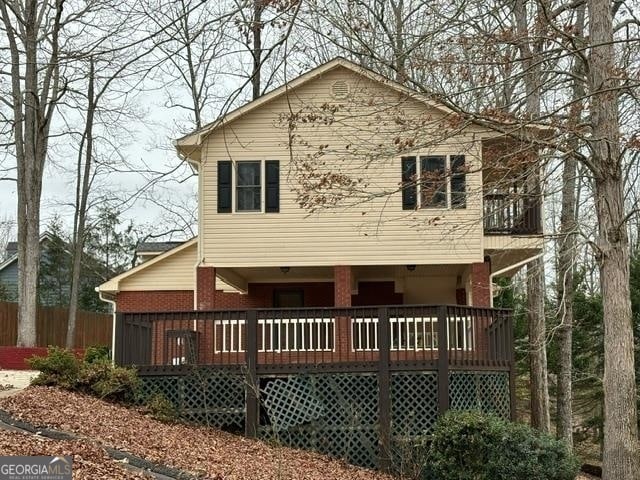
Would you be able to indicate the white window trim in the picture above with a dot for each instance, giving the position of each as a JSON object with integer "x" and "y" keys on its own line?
{"x": 234, "y": 182}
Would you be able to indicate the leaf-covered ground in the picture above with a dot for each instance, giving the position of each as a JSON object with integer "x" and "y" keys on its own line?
{"x": 89, "y": 461}
{"x": 199, "y": 450}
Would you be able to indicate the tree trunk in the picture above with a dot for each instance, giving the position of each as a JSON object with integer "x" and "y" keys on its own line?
{"x": 256, "y": 30}
{"x": 30, "y": 163}
{"x": 621, "y": 457}
{"x": 567, "y": 249}
{"x": 530, "y": 55}
{"x": 566, "y": 252}
{"x": 540, "y": 418}
{"x": 80, "y": 218}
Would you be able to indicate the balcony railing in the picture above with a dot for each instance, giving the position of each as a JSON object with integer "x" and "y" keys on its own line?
{"x": 280, "y": 340}
{"x": 512, "y": 214}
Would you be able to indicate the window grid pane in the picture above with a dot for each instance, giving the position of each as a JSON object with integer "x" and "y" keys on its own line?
{"x": 248, "y": 187}
{"x": 433, "y": 187}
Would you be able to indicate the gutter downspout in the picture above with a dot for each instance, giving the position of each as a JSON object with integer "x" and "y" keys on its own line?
{"x": 506, "y": 269}
{"x": 113, "y": 325}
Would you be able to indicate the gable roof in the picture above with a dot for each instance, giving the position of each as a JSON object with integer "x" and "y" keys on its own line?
{"x": 12, "y": 251}
{"x": 189, "y": 145}
{"x": 112, "y": 285}
{"x": 157, "y": 247}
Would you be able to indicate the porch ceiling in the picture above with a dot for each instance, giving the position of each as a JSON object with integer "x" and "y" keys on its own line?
{"x": 239, "y": 278}
{"x": 501, "y": 259}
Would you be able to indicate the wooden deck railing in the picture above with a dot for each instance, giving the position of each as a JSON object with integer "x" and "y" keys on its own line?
{"x": 512, "y": 214}
{"x": 336, "y": 339}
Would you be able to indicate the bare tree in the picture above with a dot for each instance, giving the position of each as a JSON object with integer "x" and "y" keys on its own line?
{"x": 32, "y": 30}
{"x": 567, "y": 247}
{"x": 621, "y": 460}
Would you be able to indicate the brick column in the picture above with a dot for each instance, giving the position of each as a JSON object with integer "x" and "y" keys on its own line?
{"x": 342, "y": 298}
{"x": 342, "y": 285}
{"x": 205, "y": 288}
{"x": 481, "y": 297}
{"x": 480, "y": 284}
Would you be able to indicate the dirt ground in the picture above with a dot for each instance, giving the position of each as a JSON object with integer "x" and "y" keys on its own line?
{"x": 198, "y": 450}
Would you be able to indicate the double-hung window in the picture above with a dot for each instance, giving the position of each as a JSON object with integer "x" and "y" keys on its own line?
{"x": 249, "y": 186}
{"x": 434, "y": 181}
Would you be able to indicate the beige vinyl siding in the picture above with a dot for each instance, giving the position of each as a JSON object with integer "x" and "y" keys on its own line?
{"x": 175, "y": 272}
{"x": 365, "y": 231}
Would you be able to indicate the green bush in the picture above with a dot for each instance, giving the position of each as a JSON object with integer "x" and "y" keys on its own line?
{"x": 119, "y": 385}
{"x": 60, "y": 367}
{"x": 161, "y": 408}
{"x": 95, "y": 375}
{"x": 476, "y": 446}
{"x": 97, "y": 353}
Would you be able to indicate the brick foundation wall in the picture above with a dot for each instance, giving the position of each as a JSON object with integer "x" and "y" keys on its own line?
{"x": 155, "y": 301}
{"x": 15, "y": 358}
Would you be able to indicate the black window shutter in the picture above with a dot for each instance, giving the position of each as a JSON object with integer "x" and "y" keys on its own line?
{"x": 224, "y": 186}
{"x": 272, "y": 180}
{"x": 409, "y": 189}
{"x": 458, "y": 182}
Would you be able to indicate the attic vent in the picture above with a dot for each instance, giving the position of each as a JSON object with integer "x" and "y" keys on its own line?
{"x": 340, "y": 90}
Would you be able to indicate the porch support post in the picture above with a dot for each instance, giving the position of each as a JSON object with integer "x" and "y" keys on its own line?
{"x": 252, "y": 385}
{"x": 342, "y": 298}
{"x": 384, "y": 389}
{"x": 205, "y": 288}
{"x": 512, "y": 369}
{"x": 443, "y": 361}
{"x": 481, "y": 283}
{"x": 481, "y": 297}
{"x": 118, "y": 347}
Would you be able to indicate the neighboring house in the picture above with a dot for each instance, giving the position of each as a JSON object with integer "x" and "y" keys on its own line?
{"x": 277, "y": 288}
{"x": 148, "y": 250}
{"x": 54, "y": 275}
{"x": 52, "y": 296}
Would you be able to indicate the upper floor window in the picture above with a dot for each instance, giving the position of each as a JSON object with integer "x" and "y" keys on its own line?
{"x": 440, "y": 182}
{"x": 249, "y": 186}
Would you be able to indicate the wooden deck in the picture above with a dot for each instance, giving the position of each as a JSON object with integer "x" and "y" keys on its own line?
{"x": 432, "y": 357}
{"x": 297, "y": 339}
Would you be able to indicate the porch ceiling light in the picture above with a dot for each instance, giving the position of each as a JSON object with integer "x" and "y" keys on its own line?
{"x": 285, "y": 269}
{"x": 411, "y": 268}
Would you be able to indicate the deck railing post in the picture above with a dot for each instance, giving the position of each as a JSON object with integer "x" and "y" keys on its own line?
{"x": 512, "y": 367}
{"x": 251, "y": 382}
{"x": 443, "y": 361}
{"x": 118, "y": 347}
{"x": 384, "y": 389}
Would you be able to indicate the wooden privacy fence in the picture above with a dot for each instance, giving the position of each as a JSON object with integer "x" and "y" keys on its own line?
{"x": 51, "y": 326}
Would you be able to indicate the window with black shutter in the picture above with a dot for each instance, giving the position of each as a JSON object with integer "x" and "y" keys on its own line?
{"x": 433, "y": 184}
{"x": 248, "y": 187}
{"x": 272, "y": 182}
{"x": 409, "y": 186}
{"x": 440, "y": 180}
{"x": 224, "y": 187}
{"x": 458, "y": 182}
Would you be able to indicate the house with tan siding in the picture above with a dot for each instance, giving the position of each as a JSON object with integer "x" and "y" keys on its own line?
{"x": 346, "y": 223}
{"x": 259, "y": 247}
